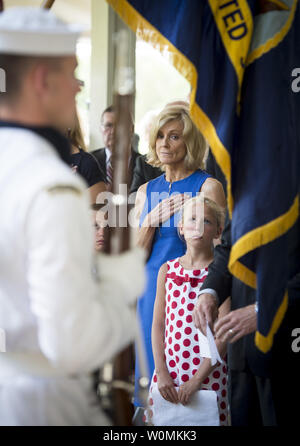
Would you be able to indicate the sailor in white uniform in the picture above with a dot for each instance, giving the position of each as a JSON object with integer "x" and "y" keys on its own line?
{"x": 60, "y": 324}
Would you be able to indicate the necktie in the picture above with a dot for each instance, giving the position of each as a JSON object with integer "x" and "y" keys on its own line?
{"x": 109, "y": 171}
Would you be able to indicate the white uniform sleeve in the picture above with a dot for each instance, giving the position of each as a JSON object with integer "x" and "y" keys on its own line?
{"x": 81, "y": 323}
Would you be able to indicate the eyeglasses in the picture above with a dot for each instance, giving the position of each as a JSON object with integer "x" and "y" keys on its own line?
{"x": 108, "y": 126}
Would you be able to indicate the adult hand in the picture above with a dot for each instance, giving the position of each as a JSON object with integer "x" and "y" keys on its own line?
{"x": 236, "y": 324}
{"x": 166, "y": 387}
{"x": 206, "y": 309}
{"x": 187, "y": 390}
{"x": 165, "y": 209}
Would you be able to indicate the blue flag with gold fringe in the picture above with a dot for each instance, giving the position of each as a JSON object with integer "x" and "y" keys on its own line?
{"x": 239, "y": 57}
{"x": 265, "y": 165}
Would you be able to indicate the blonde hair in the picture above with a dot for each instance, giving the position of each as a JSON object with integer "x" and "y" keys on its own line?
{"x": 217, "y": 210}
{"x": 195, "y": 142}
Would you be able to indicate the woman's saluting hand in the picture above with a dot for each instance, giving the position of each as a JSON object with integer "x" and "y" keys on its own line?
{"x": 164, "y": 210}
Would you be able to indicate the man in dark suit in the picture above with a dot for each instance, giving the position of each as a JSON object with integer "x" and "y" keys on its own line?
{"x": 213, "y": 168}
{"x": 103, "y": 155}
{"x": 143, "y": 172}
{"x": 258, "y": 392}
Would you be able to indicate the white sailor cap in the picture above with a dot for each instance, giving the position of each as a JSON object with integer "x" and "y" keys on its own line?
{"x": 36, "y": 32}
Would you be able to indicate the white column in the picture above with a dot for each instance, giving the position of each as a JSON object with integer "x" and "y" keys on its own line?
{"x": 104, "y": 23}
{"x": 99, "y": 68}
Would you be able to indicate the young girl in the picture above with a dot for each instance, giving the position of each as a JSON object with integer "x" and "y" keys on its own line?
{"x": 180, "y": 371}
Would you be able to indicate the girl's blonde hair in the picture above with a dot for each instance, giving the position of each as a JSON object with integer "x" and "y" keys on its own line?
{"x": 195, "y": 142}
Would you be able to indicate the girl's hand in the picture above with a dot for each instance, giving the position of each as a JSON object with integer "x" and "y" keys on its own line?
{"x": 165, "y": 209}
{"x": 166, "y": 387}
{"x": 187, "y": 390}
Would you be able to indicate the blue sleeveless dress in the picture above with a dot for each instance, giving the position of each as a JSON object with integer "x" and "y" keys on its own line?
{"x": 166, "y": 246}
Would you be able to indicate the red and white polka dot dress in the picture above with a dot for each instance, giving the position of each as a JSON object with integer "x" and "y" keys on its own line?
{"x": 182, "y": 352}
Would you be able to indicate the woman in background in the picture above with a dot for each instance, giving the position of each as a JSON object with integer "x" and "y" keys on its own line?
{"x": 84, "y": 163}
